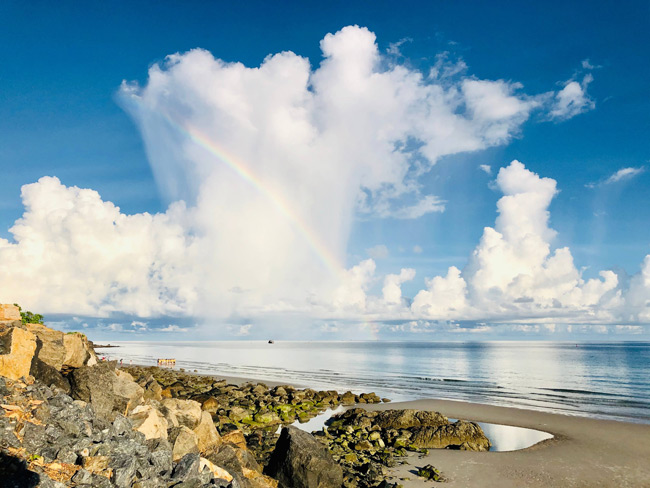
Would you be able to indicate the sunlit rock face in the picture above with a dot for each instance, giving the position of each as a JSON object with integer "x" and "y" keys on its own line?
{"x": 17, "y": 347}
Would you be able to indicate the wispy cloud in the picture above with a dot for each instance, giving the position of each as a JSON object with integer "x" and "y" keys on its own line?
{"x": 379, "y": 251}
{"x": 486, "y": 168}
{"x": 624, "y": 174}
{"x": 394, "y": 47}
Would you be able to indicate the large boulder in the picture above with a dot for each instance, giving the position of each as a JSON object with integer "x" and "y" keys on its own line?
{"x": 207, "y": 436}
{"x": 149, "y": 421}
{"x": 78, "y": 351}
{"x": 300, "y": 461}
{"x": 49, "y": 345}
{"x": 9, "y": 314}
{"x": 243, "y": 467}
{"x": 17, "y": 347}
{"x": 216, "y": 471}
{"x": 405, "y": 419}
{"x": 48, "y": 374}
{"x": 181, "y": 412}
{"x": 467, "y": 436}
{"x": 109, "y": 391}
{"x": 185, "y": 442}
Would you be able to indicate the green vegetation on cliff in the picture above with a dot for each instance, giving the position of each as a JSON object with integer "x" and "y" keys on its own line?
{"x": 29, "y": 317}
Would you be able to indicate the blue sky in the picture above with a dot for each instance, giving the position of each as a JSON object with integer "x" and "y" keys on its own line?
{"x": 63, "y": 114}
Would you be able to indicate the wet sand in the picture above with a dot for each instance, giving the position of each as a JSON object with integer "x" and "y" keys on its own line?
{"x": 583, "y": 453}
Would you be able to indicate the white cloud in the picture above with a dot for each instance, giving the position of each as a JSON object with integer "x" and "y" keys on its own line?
{"x": 379, "y": 251}
{"x": 394, "y": 47}
{"x": 428, "y": 204}
{"x": 486, "y": 168}
{"x": 586, "y": 64}
{"x": 624, "y": 174}
{"x": 351, "y": 293}
{"x": 513, "y": 272}
{"x": 392, "y": 291}
{"x": 98, "y": 260}
{"x": 139, "y": 326}
{"x": 244, "y": 330}
{"x": 572, "y": 100}
{"x": 417, "y": 249}
{"x": 266, "y": 169}
{"x": 173, "y": 328}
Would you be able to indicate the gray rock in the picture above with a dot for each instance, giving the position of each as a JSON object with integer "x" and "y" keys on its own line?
{"x": 34, "y": 437}
{"x": 191, "y": 483}
{"x": 301, "y": 461}
{"x": 124, "y": 469}
{"x": 187, "y": 467}
{"x": 83, "y": 477}
{"x": 66, "y": 455}
{"x": 99, "y": 481}
{"x": 121, "y": 426}
{"x": 161, "y": 460}
{"x": 108, "y": 392}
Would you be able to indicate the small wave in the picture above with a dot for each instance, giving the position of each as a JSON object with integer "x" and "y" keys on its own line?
{"x": 581, "y": 392}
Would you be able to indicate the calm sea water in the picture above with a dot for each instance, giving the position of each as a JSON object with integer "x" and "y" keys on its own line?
{"x": 605, "y": 380}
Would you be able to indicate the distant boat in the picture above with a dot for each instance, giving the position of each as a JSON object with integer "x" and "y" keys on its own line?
{"x": 271, "y": 342}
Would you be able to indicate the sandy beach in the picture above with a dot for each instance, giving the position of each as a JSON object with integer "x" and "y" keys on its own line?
{"x": 583, "y": 453}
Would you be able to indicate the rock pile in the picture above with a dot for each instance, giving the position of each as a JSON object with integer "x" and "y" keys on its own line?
{"x": 68, "y": 420}
{"x": 56, "y": 441}
{"x": 253, "y": 409}
{"x": 366, "y": 443}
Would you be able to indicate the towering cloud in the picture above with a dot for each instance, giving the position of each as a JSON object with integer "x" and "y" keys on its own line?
{"x": 513, "y": 273}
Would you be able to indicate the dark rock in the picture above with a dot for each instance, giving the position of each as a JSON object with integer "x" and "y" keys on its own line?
{"x": 191, "y": 483}
{"x": 82, "y": 477}
{"x": 108, "y": 392}
{"x": 48, "y": 375}
{"x": 161, "y": 460}
{"x": 124, "y": 468}
{"x": 467, "y": 436}
{"x": 121, "y": 426}
{"x": 34, "y": 437}
{"x": 3, "y": 387}
{"x": 233, "y": 459}
{"x": 429, "y": 472}
{"x": 66, "y": 455}
{"x": 300, "y": 461}
{"x": 187, "y": 467}
{"x": 404, "y": 419}
{"x": 99, "y": 481}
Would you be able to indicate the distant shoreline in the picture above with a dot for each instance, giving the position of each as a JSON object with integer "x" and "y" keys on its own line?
{"x": 103, "y": 346}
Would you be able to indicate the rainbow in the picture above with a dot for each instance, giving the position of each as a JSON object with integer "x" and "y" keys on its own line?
{"x": 281, "y": 204}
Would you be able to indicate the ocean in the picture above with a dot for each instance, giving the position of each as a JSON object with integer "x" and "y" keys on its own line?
{"x": 603, "y": 380}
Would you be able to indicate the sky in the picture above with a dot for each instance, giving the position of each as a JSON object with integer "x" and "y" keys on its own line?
{"x": 346, "y": 171}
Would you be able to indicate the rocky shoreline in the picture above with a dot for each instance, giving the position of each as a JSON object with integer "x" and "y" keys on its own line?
{"x": 67, "y": 419}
